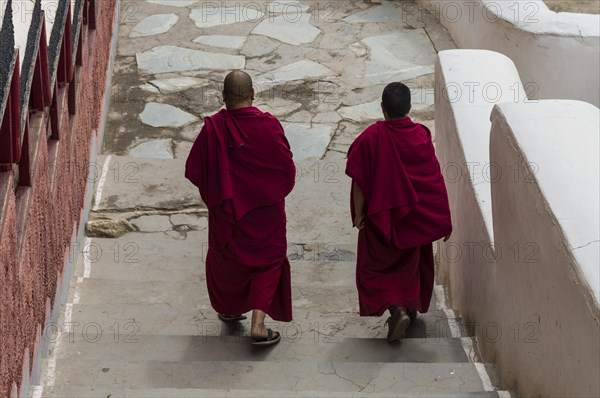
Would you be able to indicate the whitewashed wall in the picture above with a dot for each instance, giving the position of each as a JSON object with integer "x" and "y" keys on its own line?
{"x": 546, "y": 212}
{"x": 557, "y": 54}
{"x": 469, "y": 83}
{"x": 522, "y": 264}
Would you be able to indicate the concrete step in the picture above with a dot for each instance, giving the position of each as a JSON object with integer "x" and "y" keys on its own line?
{"x": 81, "y": 392}
{"x": 295, "y": 376}
{"x": 145, "y": 184}
{"x": 149, "y": 257}
{"x": 238, "y": 348}
{"x": 184, "y": 269}
{"x": 327, "y": 298}
{"x": 202, "y": 320}
{"x": 145, "y": 256}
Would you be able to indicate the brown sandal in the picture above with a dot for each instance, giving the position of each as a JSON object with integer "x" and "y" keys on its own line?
{"x": 397, "y": 324}
{"x": 271, "y": 339}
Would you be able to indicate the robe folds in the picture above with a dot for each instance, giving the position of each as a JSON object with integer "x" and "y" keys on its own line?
{"x": 406, "y": 208}
{"x": 242, "y": 164}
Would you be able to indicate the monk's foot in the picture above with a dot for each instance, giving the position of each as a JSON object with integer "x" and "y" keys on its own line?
{"x": 271, "y": 338}
{"x": 412, "y": 314}
{"x": 398, "y": 323}
{"x": 232, "y": 318}
{"x": 261, "y": 336}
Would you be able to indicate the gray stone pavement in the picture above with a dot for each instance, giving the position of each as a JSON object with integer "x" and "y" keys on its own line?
{"x": 138, "y": 322}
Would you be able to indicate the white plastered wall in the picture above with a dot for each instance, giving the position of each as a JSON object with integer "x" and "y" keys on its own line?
{"x": 557, "y": 54}
{"x": 548, "y": 284}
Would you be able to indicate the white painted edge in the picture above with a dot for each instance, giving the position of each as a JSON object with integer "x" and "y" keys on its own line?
{"x": 87, "y": 264}
{"x": 485, "y": 377}
{"x": 101, "y": 182}
{"x": 37, "y": 391}
{"x": 468, "y": 343}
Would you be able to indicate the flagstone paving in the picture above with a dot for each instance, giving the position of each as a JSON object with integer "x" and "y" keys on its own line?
{"x": 138, "y": 322}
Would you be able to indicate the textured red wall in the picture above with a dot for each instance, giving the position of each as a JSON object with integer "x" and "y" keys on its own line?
{"x": 53, "y": 209}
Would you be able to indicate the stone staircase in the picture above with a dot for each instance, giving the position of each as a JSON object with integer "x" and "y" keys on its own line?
{"x": 138, "y": 322}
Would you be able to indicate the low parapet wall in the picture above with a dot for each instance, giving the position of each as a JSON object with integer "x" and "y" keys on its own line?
{"x": 549, "y": 206}
{"x": 557, "y": 54}
{"x": 522, "y": 263}
{"x": 469, "y": 83}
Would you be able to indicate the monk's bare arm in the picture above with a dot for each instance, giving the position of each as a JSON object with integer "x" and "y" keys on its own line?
{"x": 359, "y": 206}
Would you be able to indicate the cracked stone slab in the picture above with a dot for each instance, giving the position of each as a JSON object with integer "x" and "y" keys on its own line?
{"x": 278, "y": 107}
{"x": 149, "y": 88}
{"x": 173, "y": 3}
{"x": 235, "y": 42}
{"x": 386, "y": 13}
{"x": 183, "y": 149}
{"x": 164, "y": 115}
{"x": 327, "y": 117}
{"x": 175, "y": 84}
{"x": 308, "y": 140}
{"x": 291, "y": 8}
{"x": 421, "y": 99}
{"x": 398, "y": 56}
{"x": 108, "y": 228}
{"x": 169, "y": 58}
{"x": 152, "y": 223}
{"x": 299, "y": 70}
{"x": 147, "y": 184}
{"x": 295, "y": 31}
{"x": 257, "y": 46}
{"x": 215, "y": 15}
{"x": 195, "y": 221}
{"x": 158, "y": 149}
{"x": 154, "y": 25}
{"x": 358, "y": 49}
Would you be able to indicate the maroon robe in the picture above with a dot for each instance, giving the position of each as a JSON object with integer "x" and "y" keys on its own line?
{"x": 394, "y": 165}
{"x": 242, "y": 164}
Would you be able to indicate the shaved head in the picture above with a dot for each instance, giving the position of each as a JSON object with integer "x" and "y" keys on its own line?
{"x": 237, "y": 88}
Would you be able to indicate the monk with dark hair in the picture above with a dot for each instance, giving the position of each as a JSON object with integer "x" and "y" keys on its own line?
{"x": 400, "y": 205}
{"x": 242, "y": 164}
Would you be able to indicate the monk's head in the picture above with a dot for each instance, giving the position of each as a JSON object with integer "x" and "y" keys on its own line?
{"x": 237, "y": 90}
{"x": 395, "y": 101}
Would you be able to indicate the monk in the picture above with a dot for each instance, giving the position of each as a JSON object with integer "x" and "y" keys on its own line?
{"x": 400, "y": 205}
{"x": 242, "y": 165}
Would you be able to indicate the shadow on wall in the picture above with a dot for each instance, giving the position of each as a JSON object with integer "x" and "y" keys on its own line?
{"x": 522, "y": 264}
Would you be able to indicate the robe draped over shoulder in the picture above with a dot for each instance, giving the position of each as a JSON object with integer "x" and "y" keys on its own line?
{"x": 406, "y": 204}
{"x": 242, "y": 165}
{"x": 395, "y": 166}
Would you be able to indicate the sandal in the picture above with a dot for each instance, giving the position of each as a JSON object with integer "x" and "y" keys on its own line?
{"x": 271, "y": 339}
{"x": 412, "y": 314}
{"x": 397, "y": 325}
{"x": 232, "y": 318}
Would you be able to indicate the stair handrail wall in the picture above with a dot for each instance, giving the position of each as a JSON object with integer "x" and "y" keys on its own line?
{"x": 50, "y": 122}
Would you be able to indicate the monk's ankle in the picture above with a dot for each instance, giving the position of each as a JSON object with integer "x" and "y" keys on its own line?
{"x": 393, "y": 308}
{"x": 258, "y": 329}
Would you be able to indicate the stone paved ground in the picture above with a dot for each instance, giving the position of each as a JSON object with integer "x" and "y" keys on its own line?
{"x": 577, "y": 6}
{"x": 138, "y": 321}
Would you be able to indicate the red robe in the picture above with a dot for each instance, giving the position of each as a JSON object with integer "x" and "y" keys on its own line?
{"x": 394, "y": 165}
{"x": 242, "y": 164}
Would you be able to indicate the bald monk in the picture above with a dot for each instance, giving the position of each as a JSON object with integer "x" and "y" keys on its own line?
{"x": 242, "y": 164}
{"x": 400, "y": 206}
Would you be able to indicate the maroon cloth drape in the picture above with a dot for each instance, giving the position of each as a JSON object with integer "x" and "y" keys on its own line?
{"x": 242, "y": 165}
{"x": 394, "y": 165}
